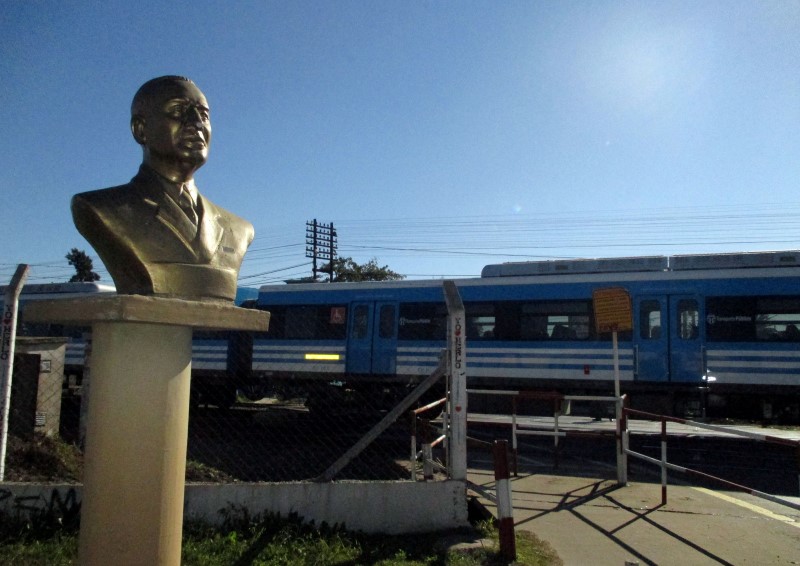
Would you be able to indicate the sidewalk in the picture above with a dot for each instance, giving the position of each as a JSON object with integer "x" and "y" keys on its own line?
{"x": 592, "y": 521}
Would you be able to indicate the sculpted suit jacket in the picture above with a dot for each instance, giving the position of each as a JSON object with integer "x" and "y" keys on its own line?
{"x": 151, "y": 247}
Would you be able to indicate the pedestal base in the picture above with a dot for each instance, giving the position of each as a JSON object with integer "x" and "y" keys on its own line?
{"x": 135, "y": 456}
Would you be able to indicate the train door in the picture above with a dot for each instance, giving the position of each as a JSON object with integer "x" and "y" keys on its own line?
{"x": 668, "y": 338}
{"x": 372, "y": 338}
{"x": 651, "y": 339}
{"x": 686, "y": 340}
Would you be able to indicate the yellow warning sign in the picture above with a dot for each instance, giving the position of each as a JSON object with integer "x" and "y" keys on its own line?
{"x": 612, "y": 310}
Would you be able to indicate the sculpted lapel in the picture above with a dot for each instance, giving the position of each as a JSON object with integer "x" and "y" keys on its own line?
{"x": 211, "y": 230}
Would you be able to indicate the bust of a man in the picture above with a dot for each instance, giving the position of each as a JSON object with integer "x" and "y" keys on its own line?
{"x": 157, "y": 235}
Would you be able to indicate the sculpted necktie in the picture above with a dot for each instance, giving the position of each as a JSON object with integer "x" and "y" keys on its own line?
{"x": 185, "y": 200}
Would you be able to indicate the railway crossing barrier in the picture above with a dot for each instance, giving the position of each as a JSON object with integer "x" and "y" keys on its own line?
{"x": 665, "y": 465}
{"x": 622, "y": 434}
{"x": 561, "y": 406}
{"x": 425, "y": 453}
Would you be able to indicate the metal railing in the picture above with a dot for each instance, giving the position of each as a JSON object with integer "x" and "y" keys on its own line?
{"x": 425, "y": 452}
{"x": 561, "y": 407}
{"x": 666, "y": 465}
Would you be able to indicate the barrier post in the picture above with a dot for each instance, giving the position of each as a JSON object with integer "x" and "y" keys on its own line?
{"x": 663, "y": 462}
{"x": 556, "y": 446}
{"x": 514, "y": 448}
{"x": 622, "y": 440}
{"x": 413, "y": 460}
{"x": 505, "y": 510}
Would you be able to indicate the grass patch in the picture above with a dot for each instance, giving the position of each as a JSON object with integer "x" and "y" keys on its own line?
{"x": 272, "y": 540}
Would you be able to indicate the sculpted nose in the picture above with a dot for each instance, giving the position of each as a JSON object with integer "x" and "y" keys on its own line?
{"x": 193, "y": 115}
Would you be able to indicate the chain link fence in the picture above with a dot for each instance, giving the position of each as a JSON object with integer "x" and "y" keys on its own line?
{"x": 241, "y": 429}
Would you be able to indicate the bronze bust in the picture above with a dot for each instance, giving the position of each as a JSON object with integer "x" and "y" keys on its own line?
{"x": 157, "y": 235}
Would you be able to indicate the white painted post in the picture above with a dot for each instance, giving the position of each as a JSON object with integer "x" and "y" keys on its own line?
{"x": 615, "y": 345}
{"x": 413, "y": 460}
{"x": 457, "y": 462}
{"x": 9, "y": 337}
{"x": 663, "y": 462}
{"x": 621, "y": 456}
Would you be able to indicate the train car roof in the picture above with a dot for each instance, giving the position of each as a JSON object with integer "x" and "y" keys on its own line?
{"x": 789, "y": 258}
{"x": 612, "y": 270}
{"x": 61, "y": 289}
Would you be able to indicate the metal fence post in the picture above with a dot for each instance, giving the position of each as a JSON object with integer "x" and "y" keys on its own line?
{"x": 457, "y": 461}
{"x": 9, "y": 336}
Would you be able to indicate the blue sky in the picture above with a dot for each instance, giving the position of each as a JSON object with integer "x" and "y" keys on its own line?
{"x": 436, "y": 136}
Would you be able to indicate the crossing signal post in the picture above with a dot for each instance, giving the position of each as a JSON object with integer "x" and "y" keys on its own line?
{"x": 321, "y": 244}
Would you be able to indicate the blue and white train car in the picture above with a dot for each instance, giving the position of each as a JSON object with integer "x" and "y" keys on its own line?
{"x": 726, "y": 322}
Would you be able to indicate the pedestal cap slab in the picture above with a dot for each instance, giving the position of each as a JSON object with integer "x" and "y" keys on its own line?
{"x": 146, "y": 309}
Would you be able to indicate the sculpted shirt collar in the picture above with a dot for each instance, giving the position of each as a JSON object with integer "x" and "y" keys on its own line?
{"x": 149, "y": 175}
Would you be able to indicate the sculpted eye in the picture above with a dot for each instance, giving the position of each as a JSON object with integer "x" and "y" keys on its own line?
{"x": 176, "y": 110}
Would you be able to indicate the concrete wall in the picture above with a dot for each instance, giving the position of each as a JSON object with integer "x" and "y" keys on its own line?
{"x": 372, "y": 507}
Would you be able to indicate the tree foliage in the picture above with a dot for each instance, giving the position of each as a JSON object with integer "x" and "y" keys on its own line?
{"x": 83, "y": 266}
{"x": 345, "y": 269}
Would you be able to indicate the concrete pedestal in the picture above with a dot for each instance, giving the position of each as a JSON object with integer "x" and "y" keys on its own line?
{"x": 135, "y": 458}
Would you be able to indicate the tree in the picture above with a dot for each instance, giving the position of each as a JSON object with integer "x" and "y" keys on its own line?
{"x": 345, "y": 269}
{"x": 83, "y": 266}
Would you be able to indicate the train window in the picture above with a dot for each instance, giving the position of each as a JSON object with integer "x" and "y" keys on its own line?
{"x": 300, "y": 322}
{"x": 555, "y": 320}
{"x": 730, "y": 319}
{"x": 422, "y": 321}
{"x": 386, "y": 323}
{"x": 650, "y": 320}
{"x": 778, "y": 319}
{"x": 688, "y": 319}
{"x": 748, "y": 319}
{"x": 480, "y": 321}
{"x": 307, "y": 322}
{"x": 360, "y": 321}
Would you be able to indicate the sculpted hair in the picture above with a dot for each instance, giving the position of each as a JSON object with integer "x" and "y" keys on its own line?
{"x": 146, "y": 92}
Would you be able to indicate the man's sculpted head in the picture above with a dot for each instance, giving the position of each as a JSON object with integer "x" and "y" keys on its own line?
{"x": 151, "y": 240}
{"x": 170, "y": 120}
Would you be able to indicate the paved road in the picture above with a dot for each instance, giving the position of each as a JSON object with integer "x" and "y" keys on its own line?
{"x": 590, "y": 520}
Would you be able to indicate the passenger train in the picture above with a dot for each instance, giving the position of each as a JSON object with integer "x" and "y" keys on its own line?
{"x": 715, "y": 333}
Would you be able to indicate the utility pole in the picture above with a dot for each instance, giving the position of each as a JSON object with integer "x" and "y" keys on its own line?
{"x": 321, "y": 244}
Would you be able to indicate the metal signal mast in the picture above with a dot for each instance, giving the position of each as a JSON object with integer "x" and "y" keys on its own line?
{"x": 321, "y": 244}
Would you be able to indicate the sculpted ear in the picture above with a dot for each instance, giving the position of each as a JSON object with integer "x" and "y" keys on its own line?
{"x": 137, "y": 129}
